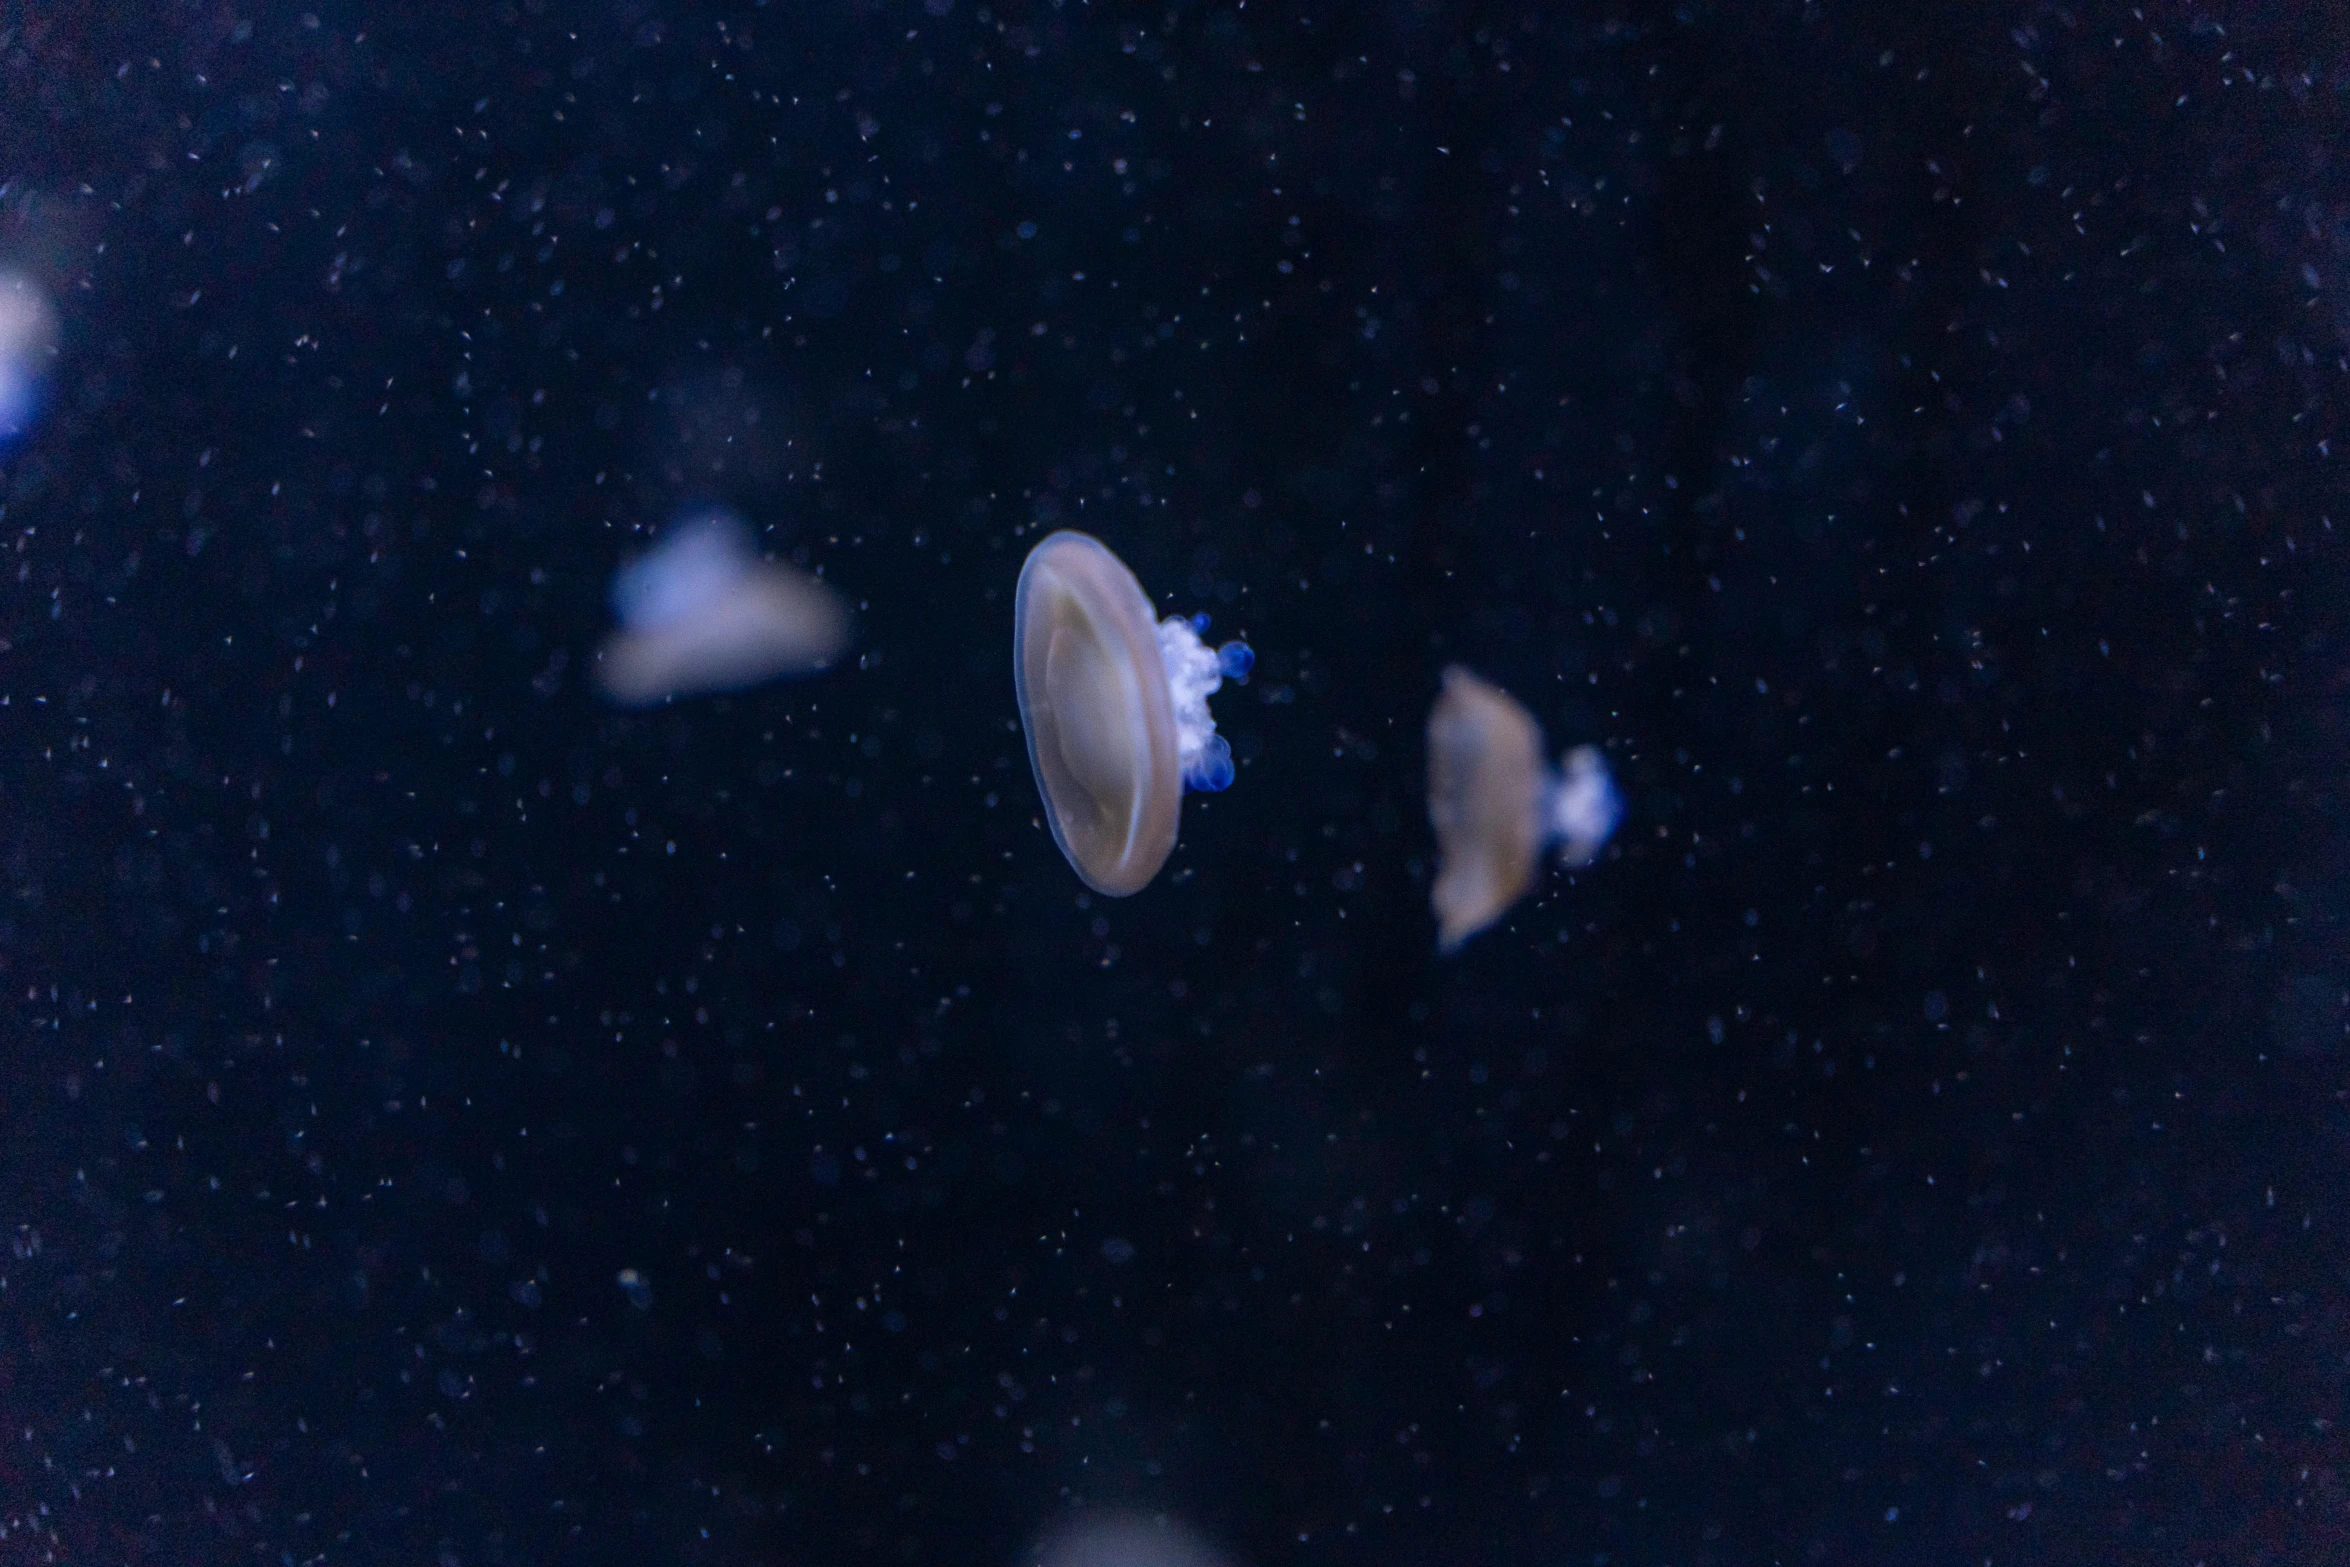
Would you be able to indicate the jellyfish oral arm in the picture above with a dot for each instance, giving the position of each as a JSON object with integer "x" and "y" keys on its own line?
{"x": 689, "y": 575}
{"x": 1195, "y": 672}
{"x": 1581, "y": 807}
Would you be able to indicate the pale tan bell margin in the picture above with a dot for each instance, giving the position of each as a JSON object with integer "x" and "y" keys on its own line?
{"x": 1485, "y": 781}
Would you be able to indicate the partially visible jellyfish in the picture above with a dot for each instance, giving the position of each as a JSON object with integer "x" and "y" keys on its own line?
{"x": 1496, "y": 807}
{"x": 703, "y": 612}
{"x": 1115, "y": 710}
{"x": 1124, "y": 1541}
{"x": 28, "y": 342}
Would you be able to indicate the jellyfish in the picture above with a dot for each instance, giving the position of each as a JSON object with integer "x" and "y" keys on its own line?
{"x": 703, "y": 612}
{"x": 1124, "y": 1540}
{"x": 1115, "y": 710}
{"x": 28, "y": 342}
{"x": 1495, "y": 806}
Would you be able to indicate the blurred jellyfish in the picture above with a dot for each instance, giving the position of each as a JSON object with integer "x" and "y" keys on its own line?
{"x": 1495, "y": 806}
{"x": 1115, "y": 710}
{"x": 703, "y": 612}
{"x": 634, "y": 1285}
{"x": 1130, "y": 1540}
{"x": 28, "y": 343}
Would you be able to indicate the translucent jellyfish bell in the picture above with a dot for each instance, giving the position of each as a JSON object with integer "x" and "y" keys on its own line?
{"x": 703, "y": 612}
{"x": 1124, "y": 1540}
{"x": 1495, "y": 806}
{"x": 1115, "y": 710}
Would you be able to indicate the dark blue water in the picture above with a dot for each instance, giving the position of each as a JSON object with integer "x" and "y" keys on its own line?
{"x": 449, "y": 1118}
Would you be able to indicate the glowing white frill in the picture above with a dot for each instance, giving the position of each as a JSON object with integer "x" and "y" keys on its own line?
{"x": 1194, "y": 673}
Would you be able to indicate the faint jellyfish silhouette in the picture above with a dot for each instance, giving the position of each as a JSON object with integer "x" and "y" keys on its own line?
{"x": 1126, "y": 1540}
{"x": 28, "y": 344}
{"x": 1495, "y": 806}
{"x": 638, "y": 1290}
{"x": 702, "y": 612}
{"x": 1115, "y": 710}
{"x": 720, "y": 432}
